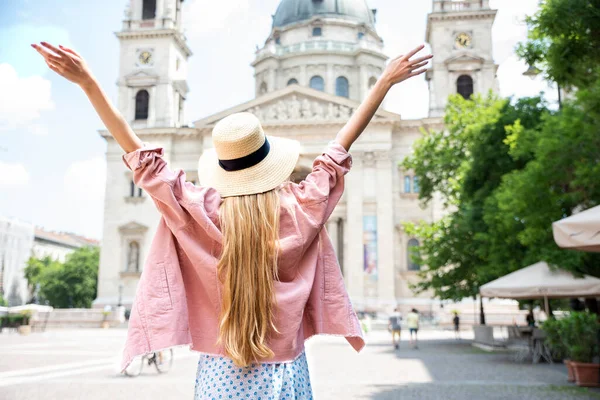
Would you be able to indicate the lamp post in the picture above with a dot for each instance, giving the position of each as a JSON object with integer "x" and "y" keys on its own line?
{"x": 532, "y": 72}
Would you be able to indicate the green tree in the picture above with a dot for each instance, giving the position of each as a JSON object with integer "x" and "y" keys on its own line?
{"x": 465, "y": 164}
{"x": 563, "y": 42}
{"x": 72, "y": 284}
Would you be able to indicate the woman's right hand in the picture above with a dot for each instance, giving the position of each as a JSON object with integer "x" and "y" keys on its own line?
{"x": 66, "y": 62}
{"x": 403, "y": 68}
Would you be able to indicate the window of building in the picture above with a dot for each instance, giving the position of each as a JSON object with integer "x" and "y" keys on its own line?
{"x": 142, "y": 99}
{"x": 372, "y": 82}
{"x": 263, "y": 88}
{"x": 180, "y": 111}
{"x": 407, "y": 184}
{"x": 149, "y": 9}
{"x": 464, "y": 86}
{"x": 361, "y": 35}
{"x": 416, "y": 184}
{"x": 277, "y": 40}
{"x": 316, "y": 82}
{"x": 177, "y": 64}
{"x": 413, "y": 251}
{"x": 133, "y": 257}
{"x": 342, "y": 87}
{"x": 134, "y": 191}
{"x": 292, "y": 81}
{"x": 317, "y": 31}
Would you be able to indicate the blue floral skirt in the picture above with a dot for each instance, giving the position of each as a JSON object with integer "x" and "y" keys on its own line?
{"x": 219, "y": 378}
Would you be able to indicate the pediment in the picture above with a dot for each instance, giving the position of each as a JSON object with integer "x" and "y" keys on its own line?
{"x": 141, "y": 78}
{"x": 133, "y": 227}
{"x": 464, "y": 58}
{"x": 296, "y": 105}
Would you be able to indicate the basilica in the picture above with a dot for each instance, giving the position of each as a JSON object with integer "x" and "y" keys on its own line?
{"x": 319, "y": 62}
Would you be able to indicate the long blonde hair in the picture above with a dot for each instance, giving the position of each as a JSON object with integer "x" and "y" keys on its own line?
{"x": 248, "y": 268}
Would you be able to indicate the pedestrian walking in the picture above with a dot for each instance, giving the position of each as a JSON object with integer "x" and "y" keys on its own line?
{"x": 456, "y": 322}
{"x": 412, "y": 321}
{"x": 395, "y": 327}
{"x": 240, "y": 268}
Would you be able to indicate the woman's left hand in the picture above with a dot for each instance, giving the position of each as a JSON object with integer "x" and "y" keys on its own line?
{"x": 65, "y": 62}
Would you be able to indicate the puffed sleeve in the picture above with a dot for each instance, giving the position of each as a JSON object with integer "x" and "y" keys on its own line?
{"x": 322, "y": 189}
{"x": 164, "y": 186}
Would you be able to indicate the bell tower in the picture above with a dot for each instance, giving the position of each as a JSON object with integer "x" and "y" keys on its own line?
{"x": 153, "y": 64}
{"x": 460, "y": 35}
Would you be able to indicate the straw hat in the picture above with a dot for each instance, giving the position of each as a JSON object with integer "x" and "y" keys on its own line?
{"x": 244, "y": 160}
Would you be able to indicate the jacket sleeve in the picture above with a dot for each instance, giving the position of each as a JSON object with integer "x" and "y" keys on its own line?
{"x": 165, "y": 187}
{"x": 322, "y": 189}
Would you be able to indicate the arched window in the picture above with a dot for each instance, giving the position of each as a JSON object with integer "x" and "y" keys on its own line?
{"x": 342, "y": 87}
{"x": 263, "y": 88}
{"x": 142, "y": 98}
{"x": 149, "y": 9}
{"x": 464, "y": 86}
{"x": 292, "y": 81}
{"x": 372, "y": 82}
{"x": 316, "y": 82}
{"x": 412, "y": 250}
{"x": 416, "y": 187}
{"x": 407, "y": 184}
{"x": 133, "y": 257}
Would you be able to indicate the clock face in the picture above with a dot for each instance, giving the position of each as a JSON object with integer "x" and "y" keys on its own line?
{"x": 463, "y": 40}
{"x": 145, "y": 57}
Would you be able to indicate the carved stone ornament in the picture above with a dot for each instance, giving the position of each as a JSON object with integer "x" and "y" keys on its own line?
{"x": 295, "y": 109}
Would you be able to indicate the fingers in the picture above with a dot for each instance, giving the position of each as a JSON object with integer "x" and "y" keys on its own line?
{"x": 47, "y": 55}
{"x": 68, "y": 50}
{"x": 414, "y": 51}
{"x": 417, "y": 72}
{"x": 54, "y": 49}
{"x": 419, "y": 65}
{"x": 421, "y": 59}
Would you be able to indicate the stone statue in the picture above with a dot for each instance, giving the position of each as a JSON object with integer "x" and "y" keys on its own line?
{"x": 306, "y": 110}
{"x": 281, "y": 111}
{"x": 294, "y": 108}
{"x": 271, "y": 113}
{"x": 332, "y": 112}
{"x": 319, "y": 110}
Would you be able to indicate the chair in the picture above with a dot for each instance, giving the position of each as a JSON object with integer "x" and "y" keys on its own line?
{"x": 518, "y": 342}
{"x": 540, "y": 349}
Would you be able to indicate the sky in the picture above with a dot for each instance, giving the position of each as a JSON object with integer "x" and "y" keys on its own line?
{"x": 52, "y": 160}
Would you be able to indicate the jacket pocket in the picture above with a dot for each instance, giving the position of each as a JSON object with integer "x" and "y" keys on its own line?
{"x": 165, "y": 299}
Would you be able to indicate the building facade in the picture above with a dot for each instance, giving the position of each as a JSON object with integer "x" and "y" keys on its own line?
{"x": 318, "y": 63}
{"x": 19, "y": 241}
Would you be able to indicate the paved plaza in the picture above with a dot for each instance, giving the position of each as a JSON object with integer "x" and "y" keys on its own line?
{"x": 83, "y": 364}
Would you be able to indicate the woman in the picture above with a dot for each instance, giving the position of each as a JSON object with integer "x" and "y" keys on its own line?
{"x": 258, "y": 271}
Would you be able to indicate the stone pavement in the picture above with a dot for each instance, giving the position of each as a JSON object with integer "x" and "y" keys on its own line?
{"x": 83, "y": 364}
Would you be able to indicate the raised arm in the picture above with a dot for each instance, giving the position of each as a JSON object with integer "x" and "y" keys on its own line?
{"x": 70, "y": 65}
{"x": 398, "y": 70}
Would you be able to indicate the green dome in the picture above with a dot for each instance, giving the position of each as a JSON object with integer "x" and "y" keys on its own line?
{"x": 291, "y": 11}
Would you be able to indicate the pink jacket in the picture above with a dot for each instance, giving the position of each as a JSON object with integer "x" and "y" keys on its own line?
{"x": 178, "y": 298}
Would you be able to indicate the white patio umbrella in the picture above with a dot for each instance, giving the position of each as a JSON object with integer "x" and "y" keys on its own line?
{"x": 538, "y": 281}
{"x": 580, "y": 231}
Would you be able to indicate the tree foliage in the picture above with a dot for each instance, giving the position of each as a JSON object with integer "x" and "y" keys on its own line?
{"x": 507, "y": 170}
{"x": 69, "y": 284}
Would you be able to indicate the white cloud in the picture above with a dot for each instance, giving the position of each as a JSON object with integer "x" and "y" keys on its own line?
{"x": 13, "y": 174}
{"x": 22, "y": 99}
{"x": 84, "y": 185}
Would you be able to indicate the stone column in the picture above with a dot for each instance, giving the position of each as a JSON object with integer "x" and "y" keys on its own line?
{"x": 353, "y": 254}
{"x": 330, "y": 80}
{"x": 385, "y": 229}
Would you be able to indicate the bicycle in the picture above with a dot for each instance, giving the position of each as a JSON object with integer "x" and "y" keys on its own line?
{"x": 162, "y": 360}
